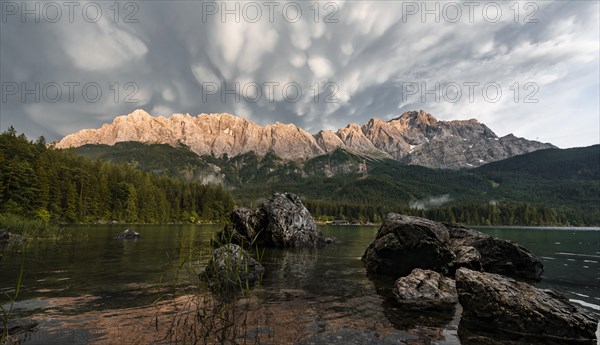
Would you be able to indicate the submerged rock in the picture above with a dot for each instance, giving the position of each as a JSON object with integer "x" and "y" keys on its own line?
{"x": 230, "y": 265}
{"x": 503, "y": 305}
{"x": 497, "y": 255}
{"x": 356, "y": 337}
{"x": 425, "y": 289}
{"x": 282, "y": 221}
{"x": 128, "y": 234}
{"x": 404, "y": 243}
{"x": 16, "y": 326}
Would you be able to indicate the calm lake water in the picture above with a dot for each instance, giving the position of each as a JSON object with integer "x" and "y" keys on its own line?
{"x": 82, "y": 291}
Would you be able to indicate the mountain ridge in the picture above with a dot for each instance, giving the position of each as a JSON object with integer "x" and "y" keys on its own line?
{"x": 414, "y": 138}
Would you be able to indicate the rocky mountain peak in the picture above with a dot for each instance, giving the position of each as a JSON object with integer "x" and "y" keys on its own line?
{"x": 416, "y": 117}
{"x": 415, "y": 137}
{"x": 138, "y": 114}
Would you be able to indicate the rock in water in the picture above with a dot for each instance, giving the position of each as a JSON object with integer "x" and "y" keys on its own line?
{"x": 246, "y": 225}
{"x": 16, "y": 326}
{"x": 425, "y": 289}
{"x": 289, "y": 224}
{"x": 128, "y": 234}
{"x": 498, "y": 304}
{"x": 232, "y": 266}
{"x": 497, "y": 255}
{"x": 404, "y": 243}
{"x": 281, "y": 221}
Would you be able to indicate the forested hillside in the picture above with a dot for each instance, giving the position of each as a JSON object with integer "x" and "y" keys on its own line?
{"x": 546, "y": 187}
{"x": 581, "y": 163}
{"x": 59, "y": 186}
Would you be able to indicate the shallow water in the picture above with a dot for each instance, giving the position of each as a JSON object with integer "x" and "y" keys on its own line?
{"x": 82, "y": 291}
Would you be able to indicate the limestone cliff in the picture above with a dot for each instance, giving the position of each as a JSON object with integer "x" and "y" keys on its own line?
{"x": 413, "y": 138}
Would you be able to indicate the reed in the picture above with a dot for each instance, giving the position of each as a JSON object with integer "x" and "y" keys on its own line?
{"x": 202, "y": 311}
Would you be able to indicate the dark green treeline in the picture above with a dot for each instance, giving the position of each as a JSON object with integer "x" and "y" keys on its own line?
{"x": 471, "y": 214}
{"x": 59, "y": 186}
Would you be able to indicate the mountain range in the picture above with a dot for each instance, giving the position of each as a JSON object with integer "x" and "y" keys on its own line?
{"x": 414, "y": 138}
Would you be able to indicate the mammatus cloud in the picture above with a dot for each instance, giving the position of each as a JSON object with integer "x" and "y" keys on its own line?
{"x": 528, "y": 67}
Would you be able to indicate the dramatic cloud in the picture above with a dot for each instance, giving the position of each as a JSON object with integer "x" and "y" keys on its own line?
{"x": 529, "y": 68}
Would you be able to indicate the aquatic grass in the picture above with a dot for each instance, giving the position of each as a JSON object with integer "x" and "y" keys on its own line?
{"x": 37, "y": 228}
{"x": 202, "y": 311}
{"x": 11, "y": 296}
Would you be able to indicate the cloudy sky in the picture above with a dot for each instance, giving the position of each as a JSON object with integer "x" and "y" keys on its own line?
{"x": 530, "y": 68}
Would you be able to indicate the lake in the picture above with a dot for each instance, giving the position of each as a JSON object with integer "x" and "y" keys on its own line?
{"x": 102, "y": 290}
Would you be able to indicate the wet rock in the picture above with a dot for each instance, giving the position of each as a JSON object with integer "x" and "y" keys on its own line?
{"x": 505, "y": 306}
{"x": 246, "y": 224}
{"x": 231, "y": 265}
{"x": 128, "y": 235}
{"x": 289, "y": 222}
{"x": 16, "y": 326}
{"x": 282, "y": 221}
{"x": 466, "y": 256}
{"x": 425, "y": 289}
{"x": 497, "y": 255}
{"x": 404, "y": 243}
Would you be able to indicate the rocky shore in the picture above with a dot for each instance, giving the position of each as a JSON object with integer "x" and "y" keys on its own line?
{"x": 438, "y": 265}
{"x": 438, "y": 268}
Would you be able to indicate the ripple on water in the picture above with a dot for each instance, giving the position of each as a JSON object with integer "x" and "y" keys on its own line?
{"x": 579, "y": 255}
{"x": 586, "y": 304}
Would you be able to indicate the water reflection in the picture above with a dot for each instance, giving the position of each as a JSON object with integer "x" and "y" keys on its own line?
{"x": 104, "y": 288}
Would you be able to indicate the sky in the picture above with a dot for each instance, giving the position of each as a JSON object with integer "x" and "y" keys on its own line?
{"x": 530, "y": 68}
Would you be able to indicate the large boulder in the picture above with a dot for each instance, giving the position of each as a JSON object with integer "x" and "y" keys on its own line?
{"x": 231, "y": 266}
{"x": 496, "y": 255}
{"x": 289, "y": 224}
{"x": 282, "y": 221}
{"x": 496, "y": 303}
{"x": 404, "y": 243}
{"x": 425, "y": 289}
